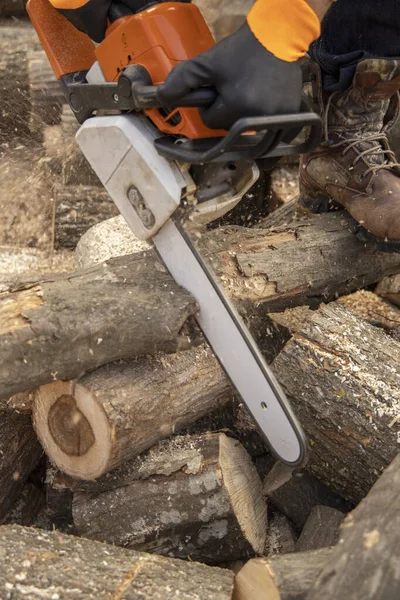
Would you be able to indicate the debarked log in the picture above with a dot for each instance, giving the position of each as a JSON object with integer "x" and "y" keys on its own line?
{"x": 41, "y": 564}
{"x": 196, "y": 497}
{"x": 90, "y": 426}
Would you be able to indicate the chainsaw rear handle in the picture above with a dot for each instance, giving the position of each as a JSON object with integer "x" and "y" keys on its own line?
{"x": 135, "y": 81}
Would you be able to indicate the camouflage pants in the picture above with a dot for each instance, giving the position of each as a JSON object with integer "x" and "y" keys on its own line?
{"x": 352, "y": 31}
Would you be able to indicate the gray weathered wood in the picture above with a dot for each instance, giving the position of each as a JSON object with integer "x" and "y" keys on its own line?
{"x": 195, "y": 497}
{"x": 46, "y": 95}
{"x": 365, "y": 563}
{"x": 38, "y": 564}
{"x": 280, "y": 577}
{"x": 375, "y": 310}
{"x": 300, "y": 494}
{"x": 20, "y": 452}
{"x": 306, "y": 262}
{"x": 321, "y": 530}
{"x": 70, "y": 324}
{"x": 90, "y": 426}
{"x": 281, "y": 535}
{"x": 342, "y": 377}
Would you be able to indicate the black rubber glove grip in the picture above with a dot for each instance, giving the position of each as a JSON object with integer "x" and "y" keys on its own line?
{"x": 250, "y": 81}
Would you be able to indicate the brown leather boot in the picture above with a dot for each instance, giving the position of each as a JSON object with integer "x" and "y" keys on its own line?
{"x": 354, "y": 168}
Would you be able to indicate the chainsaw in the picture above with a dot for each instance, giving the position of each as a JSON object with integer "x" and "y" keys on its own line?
{"x": 168, "y": 173}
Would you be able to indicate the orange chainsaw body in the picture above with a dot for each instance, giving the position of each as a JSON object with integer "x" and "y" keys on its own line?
{"x": 157, "y": 38}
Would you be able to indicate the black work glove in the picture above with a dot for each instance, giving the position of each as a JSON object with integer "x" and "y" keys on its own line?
{"x": 250, "y": 81}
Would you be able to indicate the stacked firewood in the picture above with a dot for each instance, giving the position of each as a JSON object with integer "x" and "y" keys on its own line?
{"x": 128, "y": 466}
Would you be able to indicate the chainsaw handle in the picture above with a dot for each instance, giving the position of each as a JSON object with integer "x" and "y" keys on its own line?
{"x": 135, "y": 81}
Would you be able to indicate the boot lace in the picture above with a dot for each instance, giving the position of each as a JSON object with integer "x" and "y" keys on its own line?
{"x": 379, "y": 145}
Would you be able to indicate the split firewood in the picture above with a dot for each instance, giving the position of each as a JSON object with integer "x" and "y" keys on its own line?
{"x": 41, "y": 564}
{"x": 90, "y": 426}
{"x": 69, "y": 324}
{"x": 342, "y": 377}
{"x": 12, "y": 8}
{"x": 299, "y": 495}
{"x": 196, "y": 497}
{"x": 20, "y": 453}
{"x": 365, "y": 562}
{"x": 321, "y": 530}
{"x": 46, "y": 95}
{"x": 77, "y": 209}
{"x": 281, "y": 577}
{"x": 282, "y": 216}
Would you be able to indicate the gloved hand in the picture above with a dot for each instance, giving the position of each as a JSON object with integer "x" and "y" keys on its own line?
{"x": 250, "y": 81}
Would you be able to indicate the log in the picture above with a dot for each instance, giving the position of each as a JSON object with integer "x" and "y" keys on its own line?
{"x": 281, "y": 577}
{"x": 39, "y": 564}
{"x": 304, "y": 263}
{"x": 107, "y": 240}
{"x": 77, "y": 209}
{"x": 196, "y": 497}
{"x": 281, "y": 536}
{"x": 374, "y": 310}
{"x": 309, "y": 261}
{"x": 341, "y": 375}
{"x": 46, "y": 96}
{"x": 20, "y": 453}
{"x": 297, "y": 498}
{"x": 365, "y": 562}
{"x": 69, "y": 324}
{"x": 389, "y": 289}
{"x": 321, "y": 530}
{"x": 27, "y": 507}
{"x": 90, "y": 426}
{"x": 226, "y": 16}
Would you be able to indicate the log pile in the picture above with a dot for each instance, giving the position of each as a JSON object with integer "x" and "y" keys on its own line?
{"x": 119, "y": 429}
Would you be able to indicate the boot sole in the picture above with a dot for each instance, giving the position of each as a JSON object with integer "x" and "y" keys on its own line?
{"x": 324, "y": 204}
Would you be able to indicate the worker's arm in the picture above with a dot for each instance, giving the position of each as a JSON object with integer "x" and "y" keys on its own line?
{"x": 255, "y": 70}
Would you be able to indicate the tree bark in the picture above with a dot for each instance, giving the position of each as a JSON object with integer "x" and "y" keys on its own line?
{"x": 281, "y": 577}
{"x": 196, "y": 497}
{"x": 365, "y": 562}
{"x": 321, "y": 530}
{"x": 116, "y": 412}
{"x": 20, "y": 452}
{"x": 77, "y": 209}
{"x": 69, "y": 324}
{"x": 27, "y": 507}
{"x": 342, "y": 377}
{"x": 38, "y": 564}
{"x": 374, "y": 310}
{"x": 309, "y": 261}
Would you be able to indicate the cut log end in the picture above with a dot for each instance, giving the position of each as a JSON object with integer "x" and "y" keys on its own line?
{"x": 245, "y": 491}
{"x": 73, "y": 429}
